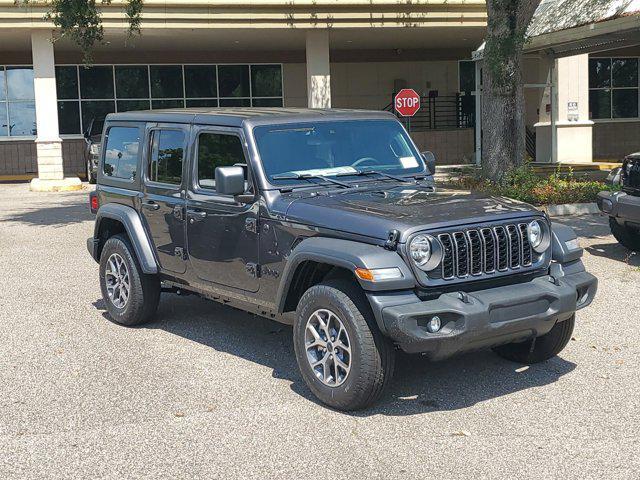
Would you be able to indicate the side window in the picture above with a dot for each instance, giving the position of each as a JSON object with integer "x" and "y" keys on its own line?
{"x": 217, "y": 150}
{"x": 121, "y": 152}
{"x": 167, "y": 152}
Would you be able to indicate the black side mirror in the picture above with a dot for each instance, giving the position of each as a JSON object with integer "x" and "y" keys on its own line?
{"x": 430, "y": 160}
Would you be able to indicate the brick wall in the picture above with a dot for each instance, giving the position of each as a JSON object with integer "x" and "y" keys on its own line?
{"x": 614, "y": 140}
{"x": 450, "y": 147}
{"x": 19, "y": 157}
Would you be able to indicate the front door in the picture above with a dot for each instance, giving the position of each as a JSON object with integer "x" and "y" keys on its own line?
{"x": 222, "y": 234}
{"x": 163, "y": 204}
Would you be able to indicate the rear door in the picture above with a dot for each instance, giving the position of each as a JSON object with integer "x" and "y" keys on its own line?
{"x": 222, "y": 234}
{"x": 163, "y": 202}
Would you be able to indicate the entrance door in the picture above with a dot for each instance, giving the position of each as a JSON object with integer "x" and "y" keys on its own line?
{"x": 163, "y": 203}
{"x": 222, "y": 234}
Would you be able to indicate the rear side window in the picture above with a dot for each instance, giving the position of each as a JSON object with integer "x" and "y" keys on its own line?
{"x": 167, "y": 152}
{"x": 121, "y": 152}
{"x": 217, "y": 150}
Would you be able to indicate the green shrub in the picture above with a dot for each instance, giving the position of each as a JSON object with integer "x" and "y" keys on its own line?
{"x": 524, "y": 184}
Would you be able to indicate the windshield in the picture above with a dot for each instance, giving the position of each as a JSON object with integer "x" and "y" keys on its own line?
{"x": 335, "y": 148}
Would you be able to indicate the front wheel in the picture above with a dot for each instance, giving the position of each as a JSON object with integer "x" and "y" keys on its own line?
{"x": 541, "y": 348}
{"x": 343, "y": 357}
{"x": 626, "y": 236}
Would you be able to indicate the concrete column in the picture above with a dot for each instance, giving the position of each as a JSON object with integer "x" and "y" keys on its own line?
{"x": 48, "y": 143}
{"x": 564, "y": 132}
{"x": 318, "y": 69}
{"x": 573, "y": 129}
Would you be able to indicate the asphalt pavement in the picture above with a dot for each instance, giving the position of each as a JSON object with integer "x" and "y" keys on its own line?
{"x": 211, "y": 392}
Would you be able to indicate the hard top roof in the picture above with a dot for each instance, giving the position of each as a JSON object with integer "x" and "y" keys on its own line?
{"x": 235, "y": 117}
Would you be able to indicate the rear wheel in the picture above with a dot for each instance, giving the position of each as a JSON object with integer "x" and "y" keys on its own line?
{"x": 628, "y": 237}
{"x": 343, "y": 357}
{"x": 541, "y": 348}
{"x": 130, "y": 295}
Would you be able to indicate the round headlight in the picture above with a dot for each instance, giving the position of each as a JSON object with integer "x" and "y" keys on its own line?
{"x": 420, "y": 250}
{"x": 535, "y": 234}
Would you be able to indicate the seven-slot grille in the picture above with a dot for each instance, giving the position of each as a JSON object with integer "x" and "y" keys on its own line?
{"x": 485, "y": 250}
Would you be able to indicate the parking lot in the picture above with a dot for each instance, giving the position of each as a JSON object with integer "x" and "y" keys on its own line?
{"x": 211, "y": 392}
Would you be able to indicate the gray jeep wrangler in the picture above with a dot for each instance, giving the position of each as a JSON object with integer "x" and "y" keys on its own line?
{"x": 329, "y": 221}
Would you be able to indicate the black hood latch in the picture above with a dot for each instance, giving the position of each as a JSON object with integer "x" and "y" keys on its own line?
{"x": 392, "y": 240}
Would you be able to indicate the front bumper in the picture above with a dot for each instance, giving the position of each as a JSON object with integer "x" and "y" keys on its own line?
{"x": 620, "y": 205}
{"x": 484, "y": 318}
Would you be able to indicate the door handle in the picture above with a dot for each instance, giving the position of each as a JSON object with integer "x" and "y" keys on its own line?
{"x": 151, "y": 205}
{"x": 196, "y": 215}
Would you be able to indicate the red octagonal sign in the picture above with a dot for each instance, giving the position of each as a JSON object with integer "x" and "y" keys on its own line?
{"x": 407, "y": 102}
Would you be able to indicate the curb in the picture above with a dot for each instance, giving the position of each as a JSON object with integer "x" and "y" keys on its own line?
{"x": 570, "y": 209}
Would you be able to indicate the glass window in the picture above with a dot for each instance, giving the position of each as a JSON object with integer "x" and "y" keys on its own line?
{"x": 624, "y": 72}
{"x": 95, "y": 111}
{"x": 132, "y": 82}
{"x": 267, "y": 102}
{"x": 202, "y": 103}
{"x": 234, "y": 80}
{"x": 337, "y": 147}
{"x": 599, "y": 72}
{"x": 121, "y": 152}
{"x": 266, "y": 81}
{"x": 217, "y": 150}
{"x": 67, "y": 83}
{"x": 600, "y": 103}
{"x": 166, "y": 81}
{"x": 624, "y": 103}
{"x": 4, "y": 131}
{"x": 467, "y": 76}
{"x": 167, "y": 150}
{"x": 158, "y": 104}
{"x": 20, "y": 83}
{"x": 22, "y": 119}
{"x": 96, "y": 82}
{"x": 235, "y": 102}
{"x": 69, "y": 118}
{"x": 200, "y": 81}
{"x": 132, "y": 105}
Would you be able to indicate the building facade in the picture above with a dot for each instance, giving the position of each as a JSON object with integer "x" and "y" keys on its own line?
{"x": 297, "y": 53}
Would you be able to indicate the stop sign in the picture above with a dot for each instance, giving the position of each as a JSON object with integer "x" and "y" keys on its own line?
{"x": 407, "y": 102}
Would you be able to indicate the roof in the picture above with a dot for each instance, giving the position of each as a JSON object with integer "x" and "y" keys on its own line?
{"x": 556, "y": 15}
{"x": 236, "y": 117}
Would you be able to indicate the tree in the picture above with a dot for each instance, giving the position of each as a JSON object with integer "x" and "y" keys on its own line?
{"x": 503, "y": 124}
{"x": 81, "y": 21}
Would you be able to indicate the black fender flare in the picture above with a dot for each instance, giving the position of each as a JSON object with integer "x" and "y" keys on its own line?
{"x": 561, "y": 251}
{"x": 136, "y": 231}
{"x": 346, "y": 254}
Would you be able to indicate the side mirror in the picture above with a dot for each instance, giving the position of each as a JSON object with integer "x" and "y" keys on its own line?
{"x": 430, "y": 160}
{"x": 230, "y": 180}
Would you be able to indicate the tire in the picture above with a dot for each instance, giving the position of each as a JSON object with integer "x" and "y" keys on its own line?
{"x": 372, "y": 356}
{"x": 547, "y": 346}
{"x": 143, "y": 292}
{"x": 626, "y": 236}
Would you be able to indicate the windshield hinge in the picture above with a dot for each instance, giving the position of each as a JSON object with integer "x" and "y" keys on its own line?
{"x": 392, "y": 240}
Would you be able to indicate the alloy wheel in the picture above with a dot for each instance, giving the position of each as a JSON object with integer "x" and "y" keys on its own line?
{"x": 116, "y": 277}
{"x": 328, "y": 347}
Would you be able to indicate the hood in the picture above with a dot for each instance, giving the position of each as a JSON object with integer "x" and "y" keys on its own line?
{"x": 374, "y": 212}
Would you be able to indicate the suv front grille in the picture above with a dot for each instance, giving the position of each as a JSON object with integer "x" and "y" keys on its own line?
{"x": 479, "y": 251}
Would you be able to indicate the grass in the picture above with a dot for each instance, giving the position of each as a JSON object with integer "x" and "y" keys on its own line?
{"x": 525, "y": 185}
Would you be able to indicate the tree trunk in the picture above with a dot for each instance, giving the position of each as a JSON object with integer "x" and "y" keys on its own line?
{"x": 503, "y": 122}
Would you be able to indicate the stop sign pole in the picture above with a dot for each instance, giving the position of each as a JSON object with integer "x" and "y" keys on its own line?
{"x": 406, "y": 102}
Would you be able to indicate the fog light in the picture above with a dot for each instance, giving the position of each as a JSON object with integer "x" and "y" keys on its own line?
{"x": 434, "y": 324}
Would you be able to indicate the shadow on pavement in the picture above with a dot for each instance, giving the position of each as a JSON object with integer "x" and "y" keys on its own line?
{"x": 586, "y": 226}
{"x": 419, "y": 386}
{"x": 56, "y": 216}
{"x": 614, "y": 251}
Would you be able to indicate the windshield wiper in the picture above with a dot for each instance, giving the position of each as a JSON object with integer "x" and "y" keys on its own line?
{"x": 308, "y": 176}
{"x": 376, "y": 172}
